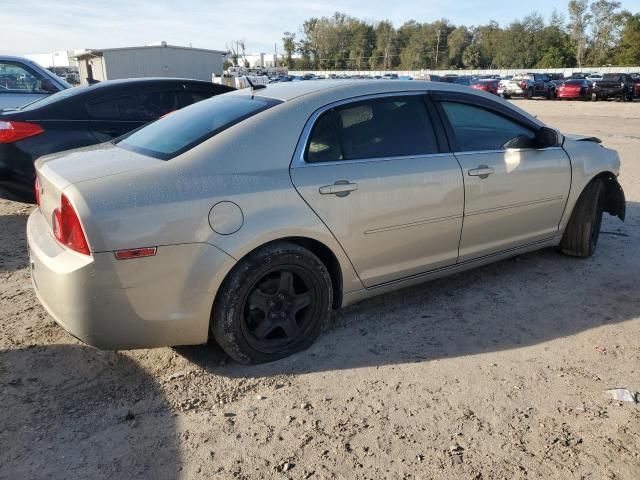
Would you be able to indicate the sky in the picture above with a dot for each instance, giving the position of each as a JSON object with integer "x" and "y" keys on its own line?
{"x": 42, "y": 26}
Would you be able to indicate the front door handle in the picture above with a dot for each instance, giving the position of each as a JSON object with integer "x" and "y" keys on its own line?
{"x": 482, "y": 171}
{"x": 341, "y": 188}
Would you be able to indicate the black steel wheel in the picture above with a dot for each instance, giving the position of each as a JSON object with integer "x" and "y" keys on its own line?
{"x": 273, "y": 303}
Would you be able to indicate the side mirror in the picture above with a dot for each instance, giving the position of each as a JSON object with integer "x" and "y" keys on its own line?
{"x": 547, "y": 137}
{"x": 47, "y": 85}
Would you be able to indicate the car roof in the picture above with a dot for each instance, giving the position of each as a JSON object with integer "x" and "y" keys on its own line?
{"x": 322, "y": 92}
{"x": 136, "y": 81}
{"x": 287, "y": 91}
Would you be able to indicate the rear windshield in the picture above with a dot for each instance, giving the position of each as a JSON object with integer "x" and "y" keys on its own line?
{"x": 574, "y": 82}
{"x": 184, "y": 129}
{"x": 611, "y": 77}
{"x": 41, "y": 102}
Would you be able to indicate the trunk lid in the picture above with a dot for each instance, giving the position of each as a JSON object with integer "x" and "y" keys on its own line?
{"x": 57, "y": 171}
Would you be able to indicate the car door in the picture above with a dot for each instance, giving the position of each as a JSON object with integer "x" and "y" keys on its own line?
{"x": 372, "y": 170}
{"x": 20, "y": 85}
{"x": 514, "y": 195}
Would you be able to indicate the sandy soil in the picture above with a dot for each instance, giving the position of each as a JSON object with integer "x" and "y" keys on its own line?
{"x": 495, "y": 373}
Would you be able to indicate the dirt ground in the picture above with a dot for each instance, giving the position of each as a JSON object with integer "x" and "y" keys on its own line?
{"x": 497, "y": 373}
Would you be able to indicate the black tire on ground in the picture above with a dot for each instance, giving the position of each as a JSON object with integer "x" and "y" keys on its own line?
{"x": 552, "y": 94}
{"x": 272, "y": 304}
{"x": 580, "y": 238}
{"x": 594, "y": 97}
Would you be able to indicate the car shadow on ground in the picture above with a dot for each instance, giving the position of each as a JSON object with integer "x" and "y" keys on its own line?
{"x": 526, "y": 300}
{"x": 13, "y": 242}
{"x": 87, "y": 414}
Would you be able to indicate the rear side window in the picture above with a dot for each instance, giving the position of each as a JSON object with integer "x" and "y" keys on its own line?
{"x": 15, "y": 77}
{"x": 182, "y": 130}
{"x": 378, "y": 128}
{"x": 145, "y": 106}
{"x": 478, "y": 129}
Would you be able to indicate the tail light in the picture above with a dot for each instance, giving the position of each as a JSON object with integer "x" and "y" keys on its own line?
{"x": 67, "y": 228}
{"x": 523, "y": 85}
{"x": 14, "y": 131}
{"x": 36, "y": 188}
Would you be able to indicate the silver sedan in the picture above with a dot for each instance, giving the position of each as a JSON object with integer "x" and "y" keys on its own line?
{"x": 250, "y": 216}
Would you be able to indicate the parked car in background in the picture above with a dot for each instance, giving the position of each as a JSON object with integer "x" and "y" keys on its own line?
{"x": 486, "y": 85}
{"x": 457, "y": 79}
{"x": 636, "y": 80}
{"x": 575, "y": 89}
{"x": 23, "y": 81}
{"x": 250, "y": 217}
{"x": 84, "y": 116}
{"x": 530, "y": 85}
{"x": 614, "y": 85}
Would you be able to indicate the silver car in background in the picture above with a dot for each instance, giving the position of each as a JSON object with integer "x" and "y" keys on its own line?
{"x": 23, "y": 81}
{"x": 250, "y": 216}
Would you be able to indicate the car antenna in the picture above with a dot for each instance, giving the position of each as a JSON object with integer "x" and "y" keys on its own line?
{"x": 253, "y": 86}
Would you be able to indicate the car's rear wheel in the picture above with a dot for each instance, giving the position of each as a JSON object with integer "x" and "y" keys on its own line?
{"x": 272, "y": 304}
{"x": 580, "y": 238}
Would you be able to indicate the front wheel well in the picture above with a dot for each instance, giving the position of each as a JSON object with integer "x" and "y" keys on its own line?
{"x": 615, "y": 203}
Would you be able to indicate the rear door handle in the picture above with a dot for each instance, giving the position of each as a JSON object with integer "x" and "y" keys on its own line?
{"x": 482, "y": 171}
{"x": 341, "y": 188}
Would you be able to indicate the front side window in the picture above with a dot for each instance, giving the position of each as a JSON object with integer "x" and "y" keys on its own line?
{"x": 478, "y": 129}
{"x": 377, "y": 128}
{"x": 182, "y": 130}
{"x": 18, "y": 78}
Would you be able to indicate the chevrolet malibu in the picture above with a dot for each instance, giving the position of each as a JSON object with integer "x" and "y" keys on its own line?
{"x": 250, "y": 216}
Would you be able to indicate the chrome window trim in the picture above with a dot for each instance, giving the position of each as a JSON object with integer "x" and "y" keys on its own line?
{"x": 506, "y": 150}
{"x": 298, "y": 156}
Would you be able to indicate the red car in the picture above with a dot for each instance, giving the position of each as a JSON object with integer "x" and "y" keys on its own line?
{"x": 575, "y": 88}
{"x": 486, "y": 85}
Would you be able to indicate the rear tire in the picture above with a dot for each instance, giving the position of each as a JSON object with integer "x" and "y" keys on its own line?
{"x": 594, "y": 97}
{"x": 580, "y": 238}
{"x": 273, "y": 304}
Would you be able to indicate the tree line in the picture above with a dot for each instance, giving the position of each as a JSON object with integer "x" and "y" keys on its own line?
{"x": 599, "y": 33}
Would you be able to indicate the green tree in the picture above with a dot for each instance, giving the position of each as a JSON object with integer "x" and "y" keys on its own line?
{"x": 606, "y": 24}
{"x": 457, "y": 42}
{"x": 289, "y": 44}
{"x": 385, "y": 52}
{"x": 579, "y": 21}
{"x": 628, "y": 50}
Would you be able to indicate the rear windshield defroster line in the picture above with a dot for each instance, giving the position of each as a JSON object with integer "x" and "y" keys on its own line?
{"x": 182, "y": 130}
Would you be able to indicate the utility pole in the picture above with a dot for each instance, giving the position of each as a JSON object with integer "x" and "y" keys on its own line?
{"x": 275, "y": 55}
{"x": 437, "y": 48}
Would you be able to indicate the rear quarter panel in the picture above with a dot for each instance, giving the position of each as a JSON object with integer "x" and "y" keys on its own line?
{"x": 170, "y": 203}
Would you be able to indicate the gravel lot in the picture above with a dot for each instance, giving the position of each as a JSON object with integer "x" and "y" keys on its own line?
{"x": 496, "y": 373}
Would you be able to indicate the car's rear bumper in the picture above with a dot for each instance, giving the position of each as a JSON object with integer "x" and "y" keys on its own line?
{"x": 512, "y": 92}
{"x": 121, "y": 304}
{"x": 17, "y": 174}
{"x": 609, "y": 92}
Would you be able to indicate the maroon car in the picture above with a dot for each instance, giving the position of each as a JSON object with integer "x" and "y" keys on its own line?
{"x": 577, "y": 88}
{"x": 487, "y": 85}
